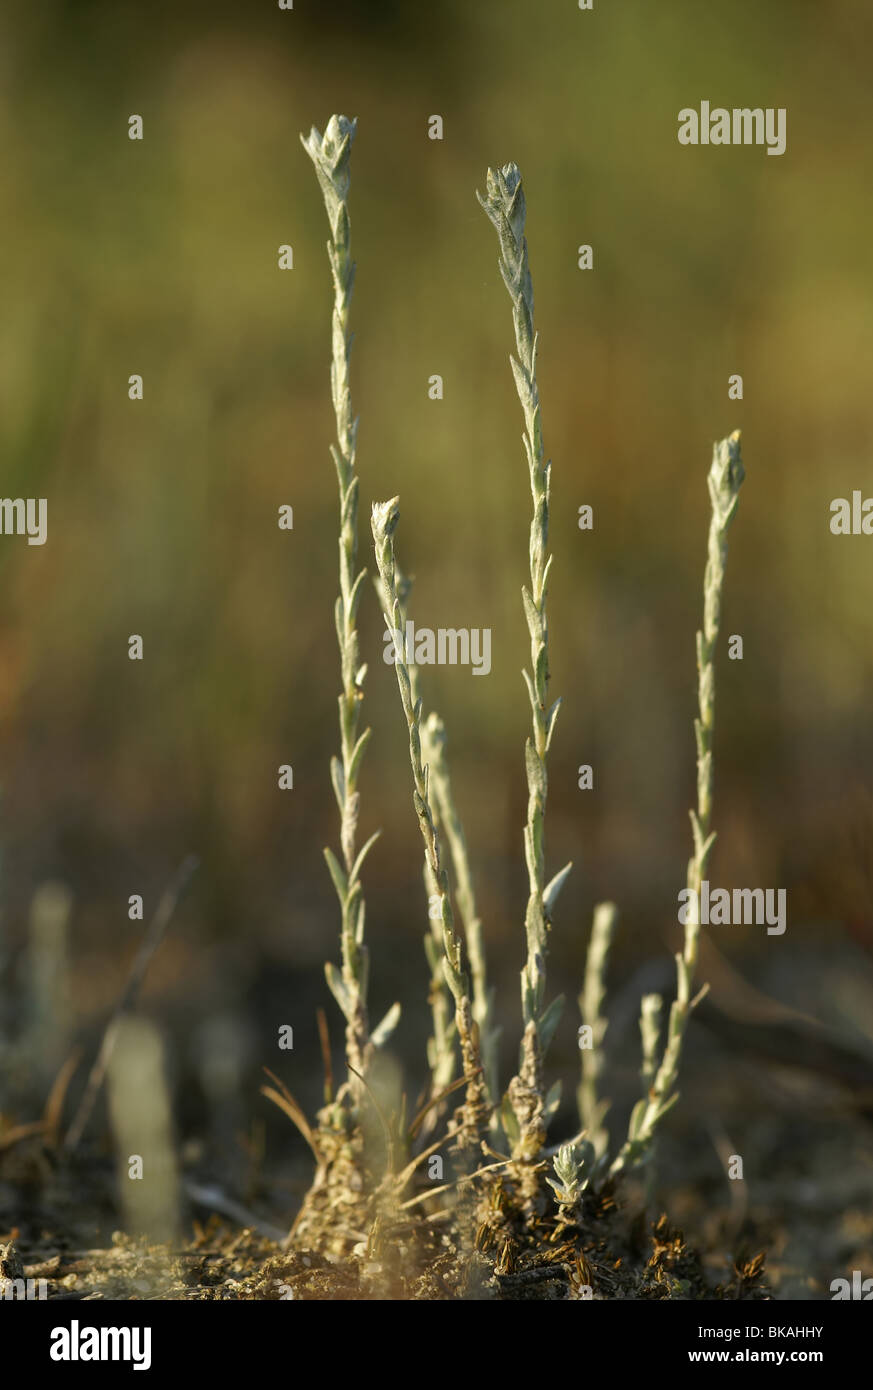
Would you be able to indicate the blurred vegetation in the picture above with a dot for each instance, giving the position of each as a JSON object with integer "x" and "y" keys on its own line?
{"x": 160, "y": 258}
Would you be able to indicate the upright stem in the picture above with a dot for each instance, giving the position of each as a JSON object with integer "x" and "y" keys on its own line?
{"x": 441, "y": 1043}
{"x": 725, "y": 479}
{"x": 448, "y": 818}
{"x": 504, "y": 203}
{"x": 472, "y": 1116}
{"x": 592, "y": 1109}
{"x": 651, "y": 1007}
{"x": 330, "y": 154}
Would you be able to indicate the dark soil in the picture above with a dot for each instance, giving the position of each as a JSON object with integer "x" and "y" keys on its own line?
{"x": 614, "y": 1252}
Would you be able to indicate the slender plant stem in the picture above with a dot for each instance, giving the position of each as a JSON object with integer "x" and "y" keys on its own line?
{"x": 504, "y": 204}
{"x": 330, "y": 154}
{"x": 441, "y": 1043}
{"x": 651, "y": 1007}
{"x": 725, "y": 479}
{"x": 472, "y": 1115}
{"x": 592, "y": 1110}
{"x": 448, "y": 819}
{"x": 441, "y": 1054}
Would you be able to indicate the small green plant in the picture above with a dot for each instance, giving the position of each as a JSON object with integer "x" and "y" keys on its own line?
{"x": 527, "y": 1108}
{"x": 592, "y": 1107}
{"x": 472, "y": 1115}
{"x": 448, "y": 818}
{"x": 444, "y": 811}
{"x": 499, "y": 1144}
{"x": 573, "y": 1165}
{"x": 331, "y": 153}
{"x": 725, "y": 479}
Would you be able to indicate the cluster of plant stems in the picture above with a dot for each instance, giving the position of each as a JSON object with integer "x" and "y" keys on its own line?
{"x": 486, "y": 1125}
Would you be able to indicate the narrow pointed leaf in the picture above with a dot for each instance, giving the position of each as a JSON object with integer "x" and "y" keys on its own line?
{"x": 553, "y": 888}
{"x": 536, "y": 774}
{"x": 383, "y": 1031}
{"x": 553, "y": 1100}
{"x": 636, "y": 1119}
{"x": 551, "y": 719}
{"x": 357, "y": 755}
{"x": 356, "y": 867}
{"x": 534, "y": 621}
{"x": 549, "y": 1022}
{"x": 337, "y": 777}
{"x": 510, "y": 1123}
{"x": 337, "y": 873}
{"x": 534, "y": 703}
{"x": 338, "y": 989}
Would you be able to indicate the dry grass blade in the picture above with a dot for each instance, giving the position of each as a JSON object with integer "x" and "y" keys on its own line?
{"x": 51, "y": 1116}
{"x": 434, "y": 1100}
{"x": 324, "y": 1042}
{"x": 288, "y": 1105}
{"x": 21, "y": 1132}
{"x": 456, "y": 1182}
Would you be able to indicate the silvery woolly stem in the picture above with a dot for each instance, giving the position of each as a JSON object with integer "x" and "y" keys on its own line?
{"x": 725, "y": 479}
{"x": 330, "y": 154}
{"x": 592, "y": 1109}
{"x": 472, "y": 1114}
{"x": 504, "y": 204}
{"x": 441, "y": 1054}
{"x": 448, "y": 819}
{"x": 651, "y": 1006}
{"x": 441, "y": 1043}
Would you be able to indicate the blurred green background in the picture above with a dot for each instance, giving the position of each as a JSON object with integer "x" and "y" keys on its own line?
{"x": 160, "y": 258}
